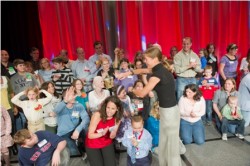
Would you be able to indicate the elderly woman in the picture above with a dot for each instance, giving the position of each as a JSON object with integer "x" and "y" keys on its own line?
{"x": 98, "y": 94}
{"x": 192, "y": 108}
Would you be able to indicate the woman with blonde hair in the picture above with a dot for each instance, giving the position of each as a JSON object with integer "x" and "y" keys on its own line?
{"x": 46, "y": 70}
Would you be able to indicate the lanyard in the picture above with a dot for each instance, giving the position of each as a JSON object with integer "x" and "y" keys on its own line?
{"x": 138, "y": 138}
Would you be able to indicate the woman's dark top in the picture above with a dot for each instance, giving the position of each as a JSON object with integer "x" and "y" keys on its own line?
{"x": 166, "y": 87}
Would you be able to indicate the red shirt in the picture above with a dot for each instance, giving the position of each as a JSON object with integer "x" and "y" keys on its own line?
{"x": 101, "y": 141}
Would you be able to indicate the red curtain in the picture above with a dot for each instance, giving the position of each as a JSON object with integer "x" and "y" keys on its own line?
{"x": 130, "y": 25}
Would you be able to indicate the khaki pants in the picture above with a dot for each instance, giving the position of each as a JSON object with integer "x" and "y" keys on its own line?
{"x": 169, "y": 153}
{"x": 64, "y": 157}
{"x": 36, "y": 126}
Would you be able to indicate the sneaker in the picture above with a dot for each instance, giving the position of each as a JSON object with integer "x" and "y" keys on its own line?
{"x": 224, "y": 137}
{"x": 84, "y": 156}
{"x": 240, "y": 136}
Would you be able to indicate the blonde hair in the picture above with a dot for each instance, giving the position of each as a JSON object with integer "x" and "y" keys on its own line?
{"x": 232, "y": 98}
{"x": 21, "y": 136}
{"x": 41, "y": 66}
{"x": 154, "y": 111}
{"x": 35, "y": 89}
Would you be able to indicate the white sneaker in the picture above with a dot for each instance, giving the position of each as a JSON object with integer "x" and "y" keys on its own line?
{"x": 240, "y": 136}
{"x": 224, "y": 137}
{"x": 84, "y": 156}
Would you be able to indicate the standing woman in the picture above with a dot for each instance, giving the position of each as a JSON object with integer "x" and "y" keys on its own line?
{"x": 212, "y": 58}
{"x": 102, "y": 130}
{"x": 162, "y": 81}
{"x": 228, "y": 64}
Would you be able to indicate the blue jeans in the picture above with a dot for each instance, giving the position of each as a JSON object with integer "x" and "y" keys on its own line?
{"x": 181, "y": 82}
{"x": 246, "y": 117}
{"x": 192, "y": 132}
{"x": 239, "y": 123}
{"x": 231, "y": 127}
{"x": 208, "y": 115}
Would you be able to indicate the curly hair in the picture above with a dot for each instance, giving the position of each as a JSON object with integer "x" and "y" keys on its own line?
{"x": 119, "y": 113}
{"x": 194, "y": 88}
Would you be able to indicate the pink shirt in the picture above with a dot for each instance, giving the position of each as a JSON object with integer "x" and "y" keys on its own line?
{"x": 186, "y": 107}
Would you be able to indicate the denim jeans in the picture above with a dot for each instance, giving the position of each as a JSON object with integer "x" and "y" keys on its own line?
{"x": 208, "y": 115}
{"x": 230, "y": 127}
{"x": 181, "y": 82}
{"x": 246, "y": 117}
{"x": 239, "y": 123}
{"x": 192, "y": 132}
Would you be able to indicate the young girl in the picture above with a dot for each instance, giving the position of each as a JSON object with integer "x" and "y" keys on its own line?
{"x": 81, "y": 97}
{"x": 46, "y": 70}
{"x": 6, "y": 139}
{"x": 50, "y": 119}
{"x": 102, "y": 130}
{"x": 32, "y": 108}
{"x": 120, "y": 92}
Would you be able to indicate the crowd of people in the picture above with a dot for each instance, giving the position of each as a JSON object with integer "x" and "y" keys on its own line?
{"x": 62, "y": 108}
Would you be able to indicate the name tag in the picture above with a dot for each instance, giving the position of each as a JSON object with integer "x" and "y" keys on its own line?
{"x": 211, "y": 81}
{"x": 231, "y": 62}
{"x": 130, "y": 77}
{"x": 75, "y": 114}
{"x": 42, "y": 143}
{"x": 111, "y": 128}
{"x": 11, "y": 70}
{"x": 28, "y": 77}
{"x": 99, "y": 130}
{"x": 140, "y": 105}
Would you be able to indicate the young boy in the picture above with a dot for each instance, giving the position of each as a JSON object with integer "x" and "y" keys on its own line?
{"x": 40, "y": 148}
{"x": 208, "y": 85}
{"x": 21, "y": 80}
{"x": 72, "y": 120}
{"x": 63, "y": 76}
{"x": 232, "y": 115}
{"x": 138, "y": 142}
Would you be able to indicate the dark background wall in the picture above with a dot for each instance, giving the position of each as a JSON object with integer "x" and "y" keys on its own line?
{"x": 20, "y": 28}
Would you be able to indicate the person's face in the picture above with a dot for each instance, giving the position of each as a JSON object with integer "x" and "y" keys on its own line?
{"x": 32, "y": 140}
{"x": 4, "y": 56}
{"x": 211, "y": 49}
{"x": 122, "y": 94}
{"x": 79, "y": 85}
{"x": 137, "y": 126}
{"x": 64, "y": 53}
{"x": 233, "y": 51}
{"x": 45, "y": 64}
{"x": 105, "y": 65}
{"x": 124, "y": 65}
{"x": 51, "y": 89}
{"x": 99, "y": 84}
{"x": 208, "y": 72}
{"x": 111, "y": 109}
{"x": 31, "y": 95}
{"x": 35, "y": 55}
{"x": 20, "y": 68}
{"x": 149, "y": 61}
{"x": 228, "y": 86}
{"x": 138, "y": 65}
{"x": 190, "y": 94}
{"x": 58, "y": 66}
{"x": 80, "y": 54}
{"x": 28, "y": 68}
{"x": 173, "y": 52}
{"x": 186, "y": 45}
{"x": 232, "y": 104}
{"x": 99, "y": 49}
{"x": 139, "y": 86}
{"x": 201, "y": 53}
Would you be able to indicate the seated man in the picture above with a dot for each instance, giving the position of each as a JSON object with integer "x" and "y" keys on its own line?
{"x": 73, "y": 120}
{"x": 40, "y": 148}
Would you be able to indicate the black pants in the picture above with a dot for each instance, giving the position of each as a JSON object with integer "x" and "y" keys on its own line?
{"x": 101, "y": 157}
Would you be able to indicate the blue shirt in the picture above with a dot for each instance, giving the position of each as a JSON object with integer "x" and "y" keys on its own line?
{"x": 145, "y": 143}
{"x": 68, "y": 119}
{"x": 203, "y": 62}
{"x": 41, "y": 153}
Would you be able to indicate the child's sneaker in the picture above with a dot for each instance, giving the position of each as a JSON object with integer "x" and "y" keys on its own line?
{"x": 224, "y": 137}
{"x": 240, "y": 136}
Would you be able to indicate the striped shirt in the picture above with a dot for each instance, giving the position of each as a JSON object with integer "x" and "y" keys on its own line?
{"x": 64, "y": 81}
